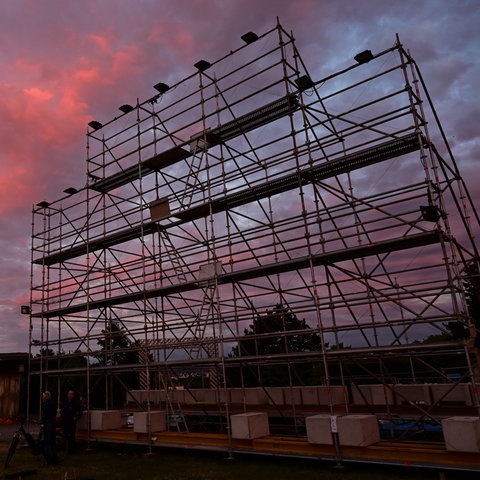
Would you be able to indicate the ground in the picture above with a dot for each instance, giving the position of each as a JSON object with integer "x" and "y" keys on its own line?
{"x": 123, "y": 461}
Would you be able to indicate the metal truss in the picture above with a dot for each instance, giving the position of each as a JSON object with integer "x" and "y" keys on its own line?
{"x": 253, "y": 183}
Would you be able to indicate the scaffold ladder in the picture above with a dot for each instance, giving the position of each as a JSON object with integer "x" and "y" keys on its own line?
{"x": 175, "y": 416}
{"x": 201, "y": 320}
{"x": 176, "y": 260}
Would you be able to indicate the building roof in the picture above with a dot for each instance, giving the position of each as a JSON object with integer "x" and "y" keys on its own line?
{"x": 13, "y": 358}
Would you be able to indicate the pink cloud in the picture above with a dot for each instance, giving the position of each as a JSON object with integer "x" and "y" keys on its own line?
{"x": 62, "y": 66}
{"x": 38, "y": 94}
{"x": 102, "y": 42}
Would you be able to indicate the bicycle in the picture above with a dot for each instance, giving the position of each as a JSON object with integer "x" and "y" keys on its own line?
{"x": 36, "y": 446}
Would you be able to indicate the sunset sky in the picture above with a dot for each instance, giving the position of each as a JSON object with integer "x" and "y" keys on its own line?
{"x": 66, "y": 62}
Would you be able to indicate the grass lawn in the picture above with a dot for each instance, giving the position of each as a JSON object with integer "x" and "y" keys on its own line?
{"x": 123, "y": 462}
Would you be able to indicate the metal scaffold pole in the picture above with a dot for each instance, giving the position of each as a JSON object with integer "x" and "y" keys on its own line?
{"x": 265, "y": 238}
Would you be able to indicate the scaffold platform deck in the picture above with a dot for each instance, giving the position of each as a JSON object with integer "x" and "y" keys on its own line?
{"x": 419, "y": 455}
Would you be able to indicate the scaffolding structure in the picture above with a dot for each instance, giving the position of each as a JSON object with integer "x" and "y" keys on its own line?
{"x": 252, "y": 188}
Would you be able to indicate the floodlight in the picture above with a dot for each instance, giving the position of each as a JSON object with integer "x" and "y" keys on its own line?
{"x": 161, "y": 87}
{"x": 202, "y": 65}
{"x": 126, "y": 108}
{"x": 304, "y": 83}
{"x": 364, "y": 57}
{"x": 95, "y": 125}
{"x": 249, "y": 37}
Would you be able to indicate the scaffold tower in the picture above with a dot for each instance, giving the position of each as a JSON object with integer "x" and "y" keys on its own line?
{"x": 252, "y": 190}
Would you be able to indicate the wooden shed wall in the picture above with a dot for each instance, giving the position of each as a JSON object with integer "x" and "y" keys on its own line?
{"x": 9, "y": 393}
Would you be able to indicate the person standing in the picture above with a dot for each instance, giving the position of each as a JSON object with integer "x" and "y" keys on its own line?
{"x": 71, "y": 411}
{"x": 49, "y": 426}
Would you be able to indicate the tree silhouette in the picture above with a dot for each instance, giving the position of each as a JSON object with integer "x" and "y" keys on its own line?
{"x": 262, "y": 337}
{"x": 45, "y": 352}
{"x": 471, "y": 285}
{"x": 472, "y": 293}
{"x": 109, "y": 389}
{"x": 117, "y": 348}
{"x": 278, "y": 332}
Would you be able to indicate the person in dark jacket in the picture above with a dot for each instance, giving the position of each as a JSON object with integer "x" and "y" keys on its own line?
{"x": 49, "y": 426}
{"x": 70, "y": 413}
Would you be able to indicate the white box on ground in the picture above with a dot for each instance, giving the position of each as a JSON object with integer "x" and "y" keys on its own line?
{"x": 358, "y": 430}
{"x": 462, "y": 434}
{"x": 105, "y": 419}
{"x": 250, "y": 425}
{"x": 156, "y": 419}
{"x": 319, "y": 429}
{"x": 82, "y": 423}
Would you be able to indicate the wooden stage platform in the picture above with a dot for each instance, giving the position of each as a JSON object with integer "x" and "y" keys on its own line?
{"x": 411, "y": 454}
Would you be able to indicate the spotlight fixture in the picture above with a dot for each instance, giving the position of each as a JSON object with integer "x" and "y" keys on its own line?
{"x": 126, "y": 108}
{"x": 70, "y": 191}
{"x": 304, "y": 83}
{"x": 202, "y": 65}
{"x": 363, "y": 57}
{"x": 25, "y": 310}
{"x": 43, "y": 204}
{"x": 161, "y": 87}
{"x": 249, "y": 37}
{"x": 430, "y": 213}
{"x": 95, "y": 125}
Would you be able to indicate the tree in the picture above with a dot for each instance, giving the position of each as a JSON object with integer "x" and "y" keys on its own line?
{"x": 458, "y": 330}
{"x": 45, "y": 352}
{"x": 277, "y": 332}
{"x": 472, "y": 293}
{"x": 261, "y": 338}
{"x": 471, "y": 285}
{"x": 117, "y": 348}
{"x": 108, "y": 390}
